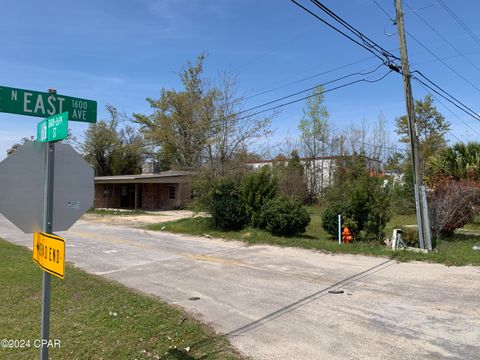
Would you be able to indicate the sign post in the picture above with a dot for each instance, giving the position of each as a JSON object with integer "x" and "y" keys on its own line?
{"x": 28, "y": 177}
{"x": 48, "y": 229}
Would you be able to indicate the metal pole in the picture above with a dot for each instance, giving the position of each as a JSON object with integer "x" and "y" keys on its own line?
{"x": 428, "y": 238}
{"x": 419, "y": 217}
{"x": 412, "y": 124}
{"x": 47, "y": 227}
{"x": 339, "y": 229}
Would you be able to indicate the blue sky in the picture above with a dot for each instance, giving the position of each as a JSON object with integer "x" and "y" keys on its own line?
{"x": 121, "y": 52}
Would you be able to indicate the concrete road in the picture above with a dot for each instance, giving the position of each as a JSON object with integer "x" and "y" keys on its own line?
{"x": 275, "y": 303}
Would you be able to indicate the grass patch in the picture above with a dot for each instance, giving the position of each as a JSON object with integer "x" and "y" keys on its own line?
{"x": 474, "y": 226}
{"x": 454, "y": 251}
{"x": 95, "y": 318}
{"x": 116, "y": 212}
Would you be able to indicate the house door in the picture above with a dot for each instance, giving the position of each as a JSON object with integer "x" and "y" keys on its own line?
{"x": 127, "y": 196}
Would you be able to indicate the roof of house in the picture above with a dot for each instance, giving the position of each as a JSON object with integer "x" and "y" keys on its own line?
{"x": 170, "y": 176}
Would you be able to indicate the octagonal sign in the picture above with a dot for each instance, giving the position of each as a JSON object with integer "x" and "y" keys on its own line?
{"x": 22, "y": 187}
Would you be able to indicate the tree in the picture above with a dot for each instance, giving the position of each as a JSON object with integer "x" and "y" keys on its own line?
{"x": 201, "y": 125}
{"x": 291, "y": 178}
{"x": 16, "y": 146}
{"x": 432, "y": 128}
{"x": 231, "y": 130}
{"x": 454, "y": 181}
{"x": 314, "y": 136}
{"x": 178, "y": 127}
{"x": 460, "y": 162}
{"x": 111, "y": 149}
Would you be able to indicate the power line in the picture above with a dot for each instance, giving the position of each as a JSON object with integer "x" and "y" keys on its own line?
{"x": 449, "y": 110}
{"x": 393, "y": 66}
{"x": 361, "y": 42}
{"x": 460, "y": 22}
{"x": 460, "y": 54}
{"x": 431, "y": 52}
{"x": 260, "y": 92}
{"x": 441, "y": 36}
{"x": 443, "y": 62}
{"x": 309, "y": 89}
{"x": 450, "y": 98}
{"x": 365, "y": 39}
{"x": 445, "y": 95}
{"x": 383, "y": 9}
{"x": 307, "y": 97}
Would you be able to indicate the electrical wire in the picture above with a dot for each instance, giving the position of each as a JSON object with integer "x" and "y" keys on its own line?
{"x": 441, "y": 36}
{"x": 309, "y": 89}
{"x": 308, "y": 97}
{"x": 365, "y": 39}
{"x": 450, "y": 98}
{"x": 362, "y": 44}
{"x": 460, "y": 21}
{"x": 444, "y": 63}
{"x": 387, "y": 60}
{"x": 261, "y": 92}
{"x": 447, "y": 96}
{"x": 449, "y": 110}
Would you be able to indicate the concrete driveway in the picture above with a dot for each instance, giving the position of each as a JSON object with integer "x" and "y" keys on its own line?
{"x": 275, "y": 303}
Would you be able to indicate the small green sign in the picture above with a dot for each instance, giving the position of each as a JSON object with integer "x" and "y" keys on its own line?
{"x": 42, "y": 131}
{"x": 54, "y": 128}
{"x": 34, "y": 103}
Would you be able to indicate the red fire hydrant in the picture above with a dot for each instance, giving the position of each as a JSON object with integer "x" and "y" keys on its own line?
{"x": 346, "y": 235}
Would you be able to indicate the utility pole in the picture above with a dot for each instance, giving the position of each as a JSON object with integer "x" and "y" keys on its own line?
{"x": 420, "y": 200}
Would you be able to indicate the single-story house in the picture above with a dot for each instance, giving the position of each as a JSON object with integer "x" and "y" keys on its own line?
{"x": 158, "y": 191}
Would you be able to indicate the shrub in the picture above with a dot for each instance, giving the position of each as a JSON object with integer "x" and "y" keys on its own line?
{"x": 226, "y": 206}
{"x": 284, "y": 217}
{"x": 330, "y": 217}
{"x": 258, "y": 187}
{"x": 452, "y": 204}
{"x": 361, "y": 199}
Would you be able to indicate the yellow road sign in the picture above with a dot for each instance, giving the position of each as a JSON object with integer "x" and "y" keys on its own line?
{"x": 49, "y": 253}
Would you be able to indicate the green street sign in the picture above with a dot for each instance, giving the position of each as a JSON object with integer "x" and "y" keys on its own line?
{"x": 42, "y": 131}
{"x": 54, "y": 128}
{"x": 34, "y": 103}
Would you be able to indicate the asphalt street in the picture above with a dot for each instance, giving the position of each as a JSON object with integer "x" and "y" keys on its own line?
{"x": 275, "y": 303}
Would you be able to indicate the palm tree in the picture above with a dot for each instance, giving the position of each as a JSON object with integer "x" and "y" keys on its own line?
{"x": 460, "y": 162}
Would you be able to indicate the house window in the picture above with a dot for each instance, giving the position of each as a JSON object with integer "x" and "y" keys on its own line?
{"x": 172, "y": 192}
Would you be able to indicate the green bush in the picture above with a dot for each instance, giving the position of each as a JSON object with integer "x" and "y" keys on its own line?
{"x": 258, "y": 187}
{"x": 226, "y": 206}
{"x": 360, "y": 198}
{"x": 284, "y": 217}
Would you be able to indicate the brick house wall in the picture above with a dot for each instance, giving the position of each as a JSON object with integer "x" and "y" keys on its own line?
{"x": 152, "y": 196}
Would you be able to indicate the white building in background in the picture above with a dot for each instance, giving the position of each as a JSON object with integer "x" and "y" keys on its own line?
{"x": 323, "y": 166}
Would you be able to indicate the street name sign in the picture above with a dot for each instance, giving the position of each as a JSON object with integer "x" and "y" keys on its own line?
{"x": 54, "y": 128}
{"x": 41, "y": 104}
{"x": 22, "y": 187}
{"x": 49, "y": 253}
